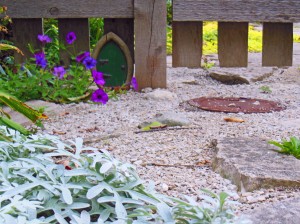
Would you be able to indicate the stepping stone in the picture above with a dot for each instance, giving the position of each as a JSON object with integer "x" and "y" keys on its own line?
{"x": 283, "y": 212}
{"x": 51, "y": 109}
{"x": 253, "y": 164}
{"x": 232, "y": 76}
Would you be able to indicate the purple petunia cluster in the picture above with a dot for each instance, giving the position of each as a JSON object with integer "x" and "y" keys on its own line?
{"x": 71, "y": 37}
{"x": 98, "y": 96}
{"x": 44, "y": 39}
{"x": 98, "y": 78}
{"x": 40, "y": 59}
{"x": 59, "y": 72}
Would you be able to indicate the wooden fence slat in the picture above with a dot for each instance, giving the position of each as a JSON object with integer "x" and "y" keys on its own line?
{"x": 81, "y": 28}
{"x": 69, "y": 9}
{"x": 187, "y": 44}
{"x": 25, "y": 31}
{"x": 124, "y": 28}
{"x": 277, "y": 44}
{"x": 237, "y": 10}
{"x": 233, "y": 44}
{"x": 150, "y": 43}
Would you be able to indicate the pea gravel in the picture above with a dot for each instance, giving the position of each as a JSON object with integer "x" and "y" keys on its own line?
{"x": 179, "y": 161}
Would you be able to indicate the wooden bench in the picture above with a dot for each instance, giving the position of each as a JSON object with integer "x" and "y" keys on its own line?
{"x": 233, "y": 17}
{"x": 142, "y": 22}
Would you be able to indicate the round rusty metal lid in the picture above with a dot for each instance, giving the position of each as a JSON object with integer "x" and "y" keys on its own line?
{"x": 235, "y": 105}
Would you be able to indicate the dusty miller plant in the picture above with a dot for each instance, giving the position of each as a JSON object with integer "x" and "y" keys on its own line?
{"x": 93, "y": 188}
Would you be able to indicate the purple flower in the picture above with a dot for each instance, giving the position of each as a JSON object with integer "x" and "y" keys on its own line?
{"x": 44, "y": 39}
{"x": 82, "y": 56}
{"x": 98, "y": 78}
{"x": 40, "y": 59}
{"x": 99, "y": 96}
{"x": 134, "y": 84}
{"x": 59, "y": 72}
{"x": 71, "y": 37}
{"x": 89, "y": 62}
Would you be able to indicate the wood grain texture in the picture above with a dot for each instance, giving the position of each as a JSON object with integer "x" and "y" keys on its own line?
{"x": 187, "y": 44}
{"x": 233, "y": 44}
{"x": 124, "y": 28}
{"x": 150, "y": 43}
{"x": 277, "y": 44}
{"x": 69, "y": 9}
{"x": 81, "y": 28}
{"x": 25, "y": 31}
{"x": 237, "y": 10}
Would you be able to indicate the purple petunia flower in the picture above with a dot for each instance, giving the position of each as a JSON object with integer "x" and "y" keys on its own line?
{"x": 59, "y": 72}
{"x": 44, "y": 39}
{"x": 82, "y": 56}
{"x": 89, "y": 62}
{"x": 40, "y": 59}
{"x": 134, "y": 84}
{"x": 71, "y": 37}
{"x": 98, "y": 78}
{"x": 99, "y": 96}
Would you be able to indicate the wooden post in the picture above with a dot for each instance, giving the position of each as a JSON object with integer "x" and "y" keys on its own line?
{"x": 124, "y": 28}
{"x": 233, "y": 44}
{"x": 81, "y": 28}
{"x": 277, "y": 44}
{"x": 150, "y": 43}
{"x": 25, "y": 31}
{"x": 187, "y": 44}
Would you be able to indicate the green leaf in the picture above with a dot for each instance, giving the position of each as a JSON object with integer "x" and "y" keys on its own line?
{"x": 94, "y": 191}
{"x": 165, "y": 212}
{"x": 17, "y": 190}
{"x": 120, "y": 209}
{"x": 66, "y": 194}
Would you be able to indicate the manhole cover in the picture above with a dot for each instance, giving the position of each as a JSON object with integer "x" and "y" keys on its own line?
{"x": 235, "y": 105}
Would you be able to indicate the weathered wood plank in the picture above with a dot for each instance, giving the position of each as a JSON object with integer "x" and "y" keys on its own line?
{"x": 150, "y": 43}
{"x": 277, "y": 44}
{"x": 233, "y": 44}
{"x": 187, "y": 44}
{"x": 124, "y": 28}
{"x": 69, "y": 9}
{"x": 82, "y": 43}
{"x": 25, "y": 31}
{"x": 237, "y": 10}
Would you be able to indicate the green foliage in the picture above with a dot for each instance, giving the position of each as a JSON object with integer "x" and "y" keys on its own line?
{"x": 291, "y": 147}
{"x": 29, "y": 82}
{"x": 96, "y": 30}
{"x": 169, "y": 12}
{"x": 169, "y": 40}
{"x": 51, "y": 29}
{"x": 93, "y": 187}
{"x": 265, "y": 89}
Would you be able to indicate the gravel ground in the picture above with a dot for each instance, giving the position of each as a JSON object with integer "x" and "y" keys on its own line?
{"x": 179, "y": 161}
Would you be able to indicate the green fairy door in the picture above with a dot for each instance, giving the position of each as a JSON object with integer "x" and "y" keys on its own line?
{"x": 112, "y": 62}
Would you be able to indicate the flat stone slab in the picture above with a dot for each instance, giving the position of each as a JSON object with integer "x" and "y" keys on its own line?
{"x": 252, "y": 163}
{"x": 283, "y": 212}
{"x": 51, "y": 109}
{"x": 232, "y": 76}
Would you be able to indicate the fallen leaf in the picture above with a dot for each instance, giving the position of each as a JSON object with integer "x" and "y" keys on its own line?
{"x": 203, "y": 163}
{"x": 233, "y": 119}
{"x": 64, "y": 113}
{"x": 58, "y": 132}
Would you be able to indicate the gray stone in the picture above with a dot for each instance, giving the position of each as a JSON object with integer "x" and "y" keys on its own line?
{"x": 172, "y": 119}
{"x": 234, "y": 76}
{"x": 161, "y": 94}
{"x": 283, "y": 212}
{"x": 253, "y": 164}
{"x": 50, "y": 109}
